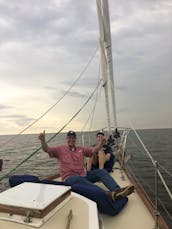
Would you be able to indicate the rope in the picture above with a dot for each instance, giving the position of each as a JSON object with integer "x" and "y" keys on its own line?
{"x": 37, "y": 150}
{"x": 51, "y": 107}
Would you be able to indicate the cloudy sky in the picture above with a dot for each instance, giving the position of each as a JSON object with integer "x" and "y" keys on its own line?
{"x": 45, "y": 45}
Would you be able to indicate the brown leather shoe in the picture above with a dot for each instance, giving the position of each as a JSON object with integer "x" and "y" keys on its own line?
{"x": 123, "y": 192}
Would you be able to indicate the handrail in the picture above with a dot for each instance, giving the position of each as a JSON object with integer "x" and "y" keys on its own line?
{"x": 157, "y": 173}
{"x": 144, "y": 147}
{"x": 156, "y": 212}
{"x": 152, "y": 192}
{"x": 153, "y": 162}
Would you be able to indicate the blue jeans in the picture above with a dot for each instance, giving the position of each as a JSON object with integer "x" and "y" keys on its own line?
{"x": 92, "y": 177}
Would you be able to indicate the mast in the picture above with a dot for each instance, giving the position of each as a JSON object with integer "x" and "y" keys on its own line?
{"x": 110, "y": 57}
{"x": 103, "y": 61}
{"x": 106, "y": 58}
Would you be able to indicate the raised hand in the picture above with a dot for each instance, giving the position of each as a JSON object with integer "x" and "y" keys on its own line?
{"x": 42, "y": 136}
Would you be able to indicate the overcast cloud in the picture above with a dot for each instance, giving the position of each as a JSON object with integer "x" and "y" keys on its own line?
{"x": 44, "y": 45}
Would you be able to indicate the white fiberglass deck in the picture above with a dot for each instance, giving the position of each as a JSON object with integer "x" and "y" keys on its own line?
{"x": 135, "y": 215}
{"x": 84, "y": 211}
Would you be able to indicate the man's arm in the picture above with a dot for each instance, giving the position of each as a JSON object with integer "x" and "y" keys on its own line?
{"x": 44, "y": 144}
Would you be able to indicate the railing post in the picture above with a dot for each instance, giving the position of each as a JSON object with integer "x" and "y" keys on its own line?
{"x": 156, "y": 212}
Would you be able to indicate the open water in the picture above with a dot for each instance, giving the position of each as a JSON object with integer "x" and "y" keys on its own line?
{"x": 157, "y": 141}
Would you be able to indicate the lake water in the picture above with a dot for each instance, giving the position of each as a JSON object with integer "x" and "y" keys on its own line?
{"x": 158, "y": 142}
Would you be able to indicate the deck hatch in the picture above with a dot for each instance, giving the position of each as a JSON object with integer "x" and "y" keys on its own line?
{"x": 32, "y": 200}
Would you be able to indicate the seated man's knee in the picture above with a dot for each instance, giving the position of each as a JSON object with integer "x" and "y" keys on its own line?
{"x": 73, "y": 179}
{"x": 102, "y": 172}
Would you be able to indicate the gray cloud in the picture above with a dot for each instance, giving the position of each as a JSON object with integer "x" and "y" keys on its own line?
{"x": 51, "y": 88}
{"x": 5, "y": 107}
{"x": 45, "y": 43}
{"x": 86, "y": 82}
{"x": 58, "y": 25}
{"x": 122, "y": 88}
{"x": 23, "y": 122}
{"x": 20, "y": 120}
{"x": 15, "y": 116}
{"x": 76, "y": 94}
{"x": 123, "y": 110}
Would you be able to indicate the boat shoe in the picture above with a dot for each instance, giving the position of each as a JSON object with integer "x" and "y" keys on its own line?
{"x": 123, "y": 192}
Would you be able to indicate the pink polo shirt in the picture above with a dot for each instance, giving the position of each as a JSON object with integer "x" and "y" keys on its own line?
{"x": 70, "y": 162}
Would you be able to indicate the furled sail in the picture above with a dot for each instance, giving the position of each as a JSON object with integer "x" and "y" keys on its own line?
{"x": 106, "y": 59}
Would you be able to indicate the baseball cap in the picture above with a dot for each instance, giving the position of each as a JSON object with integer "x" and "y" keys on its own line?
{"x": 100, "y": 133}
{"x": 71, "y": 133}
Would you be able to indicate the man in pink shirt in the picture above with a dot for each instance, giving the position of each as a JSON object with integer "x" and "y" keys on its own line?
{"x": 72, "y": 169}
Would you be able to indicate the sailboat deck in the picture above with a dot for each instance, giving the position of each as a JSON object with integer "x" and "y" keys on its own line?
{"x": 134, "y": 215}
{"x": 84, "y": 215}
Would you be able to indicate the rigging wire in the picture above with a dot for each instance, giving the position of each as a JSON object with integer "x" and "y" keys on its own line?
{"x": 51, "y": 107}
{"x": 91, "y": 113}
{"x": 94, "y": 106}
{"x": 37, "y": 150}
